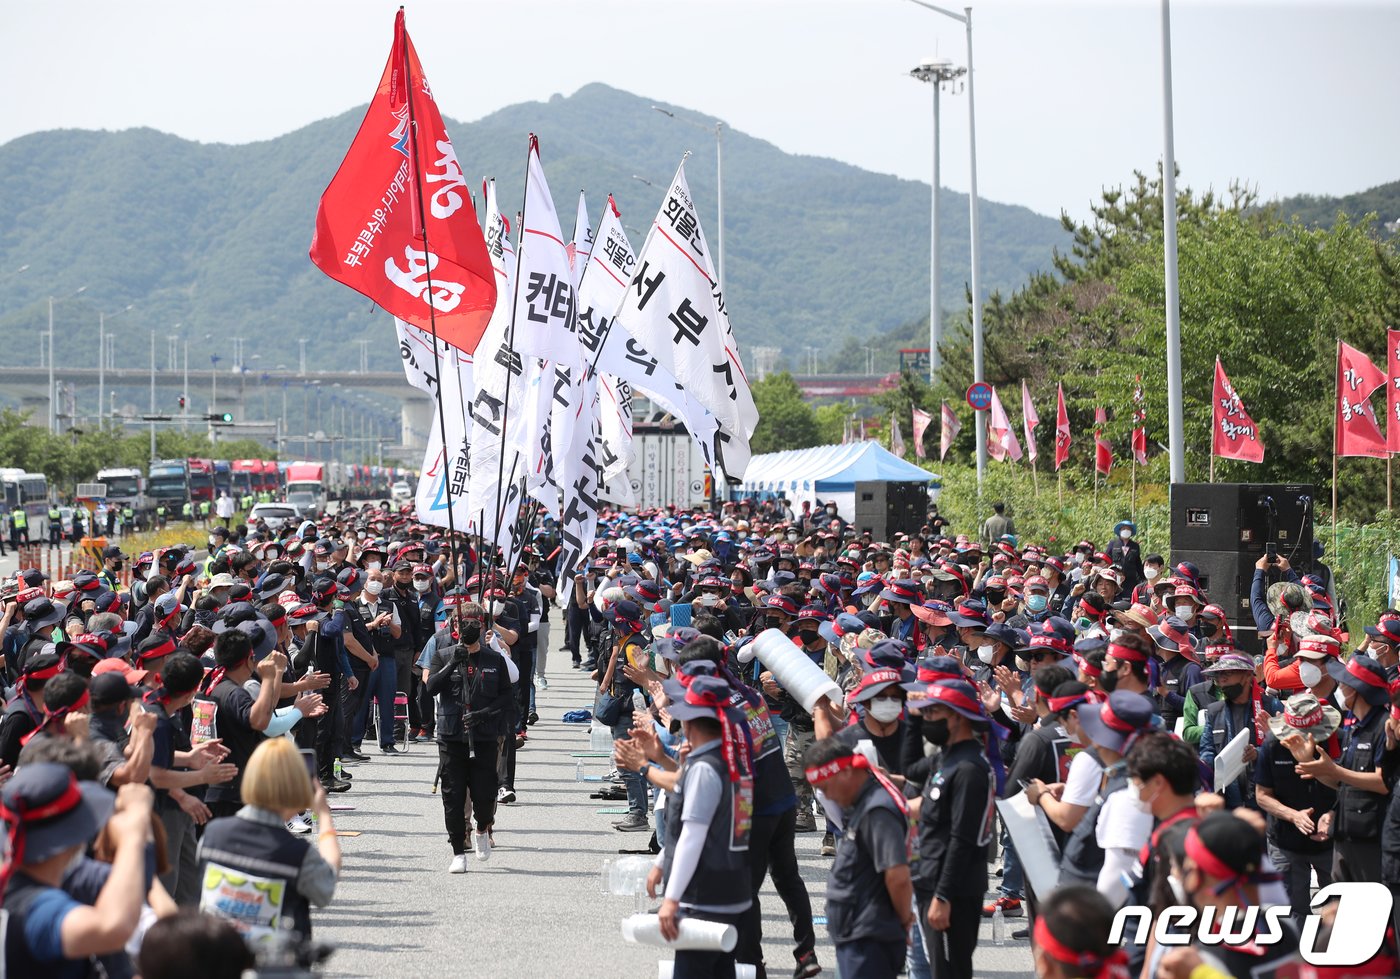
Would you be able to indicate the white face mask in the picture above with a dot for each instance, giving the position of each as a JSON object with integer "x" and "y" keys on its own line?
{"x": 322, "y": 565}
{"x": 986, "y": 654}
{"x": 373, "y": 588}
{"x": 1186, "y": 612}
{"x": 373, "y": 565}
{"x": 792, "y": 537}
{"x": 1125, "y": 533}
{"x": 1151, "y": 573}
{"x": 422, "y": 585}
{"x": 885, "y": 710}
{"x": 1178, "y": 890}
{"x": 213, "y": 541}
{"x": 498, "y": 609}
{"x": 1135, "y": 797}
{"x": 1309, "y": 673}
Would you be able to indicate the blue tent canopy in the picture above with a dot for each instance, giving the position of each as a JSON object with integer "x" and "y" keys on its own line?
{"x": 810, "y": 474}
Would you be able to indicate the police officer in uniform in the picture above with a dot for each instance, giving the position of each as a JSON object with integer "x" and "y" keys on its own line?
{"x": 869, "y": 895}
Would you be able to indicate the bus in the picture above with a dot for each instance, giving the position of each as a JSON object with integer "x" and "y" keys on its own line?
{"x": 30, "y": 491}
{"x": 223, "y": 478}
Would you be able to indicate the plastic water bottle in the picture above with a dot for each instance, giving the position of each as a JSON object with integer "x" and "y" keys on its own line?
{"x": 639, "y": 702}
{"x": 998, "y": 927}
{"x": 578, "y": 771}
{"x": 339, "y": 771}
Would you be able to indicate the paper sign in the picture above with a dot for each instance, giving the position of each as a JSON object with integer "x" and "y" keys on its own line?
{"x": 1034, "y": 841}
{"x": 1229, "y": 762}
{"x": 202, "y": 727}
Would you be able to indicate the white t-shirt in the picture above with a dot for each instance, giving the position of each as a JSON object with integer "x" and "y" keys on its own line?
{"x": 1122, "y": 830}
{"x": 1083, "y": 783}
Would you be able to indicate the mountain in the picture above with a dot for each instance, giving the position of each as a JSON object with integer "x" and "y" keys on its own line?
{"x": 1382, "y": 201}
{"x": 214, "y": 237}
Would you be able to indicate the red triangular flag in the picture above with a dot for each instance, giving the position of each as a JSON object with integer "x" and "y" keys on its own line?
{"x": 1234, "y": 434}
{"x": 1061, "y": 428}
{"x": 371, "y": 225}
{"x": 1103, "y": 452}
{"x": 1392, "y": 389}
{"x": 1357, "y": 431}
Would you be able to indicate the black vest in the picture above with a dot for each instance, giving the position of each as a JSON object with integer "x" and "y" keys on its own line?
{"x": 1171, "y": 678}
{"x": 1083, "y": 857}
{"x": 1360, "y": 813}
{"x": 722, "y": 876}
{"x": 248, "y": 875}
{"x": 772, "y": 786}
{"x": 857, "y": 903}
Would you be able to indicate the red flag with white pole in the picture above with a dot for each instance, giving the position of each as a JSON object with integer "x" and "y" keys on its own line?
{"x": 413, "y": 257}
{"x": 951, "y": 427}
{"x": 1002, "y": 444}
{"x": 1103, "y": 452}
{"x": 1357, "y": 431}
{"x": 1029, "y": 421}
{"x": 922, "y": 420}
{"x": 1392, "y": 390}
{"x": 1234, "y": 434}
{"x": 1061, "y": 428}
{"x": 1139, "y": 439}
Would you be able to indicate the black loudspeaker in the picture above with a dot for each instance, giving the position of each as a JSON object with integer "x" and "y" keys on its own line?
{"x": 1223, "y": 528}
{"x": 889, "y": 508}
{"x": 1244, "y": 517}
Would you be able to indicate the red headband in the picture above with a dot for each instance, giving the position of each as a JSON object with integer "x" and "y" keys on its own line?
{"x": 1367, "y": 675}
{"x": 823, "y": 772}
{"x": 734, "y": 741}
{"x": 164, "y": 649}
{"x": 17, "y": 818}
{"x": 47, "y": 673}
{"x": 955, "y": 699}
{"x": 1122, "y": 653}
{"x": 927, "y": 675}
{"x": 1209, "y": 863}
{"x": 1087, "y": 668}
{"x": 1059, "y": 704}
{"x": 1116, "y": 964}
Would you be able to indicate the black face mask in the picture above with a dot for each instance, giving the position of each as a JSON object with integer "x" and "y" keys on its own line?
{"x": 809, "y": 636}
{"x": 116, "y": 565}
{"x": 774, "y": 622}
{"x": 994, "y": 597}
{"x": 935, "y": 732}
{"x": 1233, "y": 690}
{"x": 1209, "y": 631}
{"x": 470, "y": 633}
{"x": 1108, "y": 682}
{"x": 675, "y": 726}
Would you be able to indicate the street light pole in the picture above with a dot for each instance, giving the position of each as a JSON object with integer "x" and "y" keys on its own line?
{"x": 153, "y": 395}
{"x": 1175, "y": 420}
{"x": 965, "y": 18}
{"x": 719, "y": 185}
{"x": 937, "y": 72}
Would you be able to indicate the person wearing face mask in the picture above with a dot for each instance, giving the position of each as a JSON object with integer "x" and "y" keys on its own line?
{"x": 801, "y": 729}
{"x": 381, "y": 620}
{"x": 1179, "y": 670}
{"x": 1152, "y": 567}
{"x": 1071, "y": 793}
{"x": 1237, "y": 710}
{"x": 898, "y": 596}
{"x": 1163, "y": 778}
{"x": 472, "y": 685}
{"x": 954, "y": 815}
{"x": 1293, "y": 804}
{"x": 1036, "y": 603}
{"x": 1126, "y": 553}
{"x": 1185, "y": 604}
{"x": 1362, "y": 790}
{"x": 1125, "y": 665}
{"x": 112, "y": 563}
{"x": 1106, "y": 839}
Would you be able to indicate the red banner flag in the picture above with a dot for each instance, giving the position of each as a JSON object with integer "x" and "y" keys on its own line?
{"x": 922, "y": 420}
{"x": 1103, "y": 452}
{"x": 951, "y": 427}
{"x": 1234, "y": 434}
{"x": 374, "y": 233}
{"x": 1029, "y": 421}
{"x": 1139, "y": 440}
{"x": 1061, "y": 428}
{"x": 1392, "y": 390}
{"x": 1357, "y": 431}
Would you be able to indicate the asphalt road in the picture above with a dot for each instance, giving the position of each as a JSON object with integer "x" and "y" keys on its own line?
{"x": 535, "y": 908}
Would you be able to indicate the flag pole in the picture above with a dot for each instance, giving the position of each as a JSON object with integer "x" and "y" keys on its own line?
{"x": 1336, "y": 434}
{"x": 1212, "y": 462}
{"x": 1060, "y": 482}
{"x": 1035, "y": 480}
{"x": 1132, "y": 494}
{"x": 432, "y": 309}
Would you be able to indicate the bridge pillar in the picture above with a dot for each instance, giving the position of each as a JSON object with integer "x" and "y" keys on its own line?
{"x": 418, "y": 417}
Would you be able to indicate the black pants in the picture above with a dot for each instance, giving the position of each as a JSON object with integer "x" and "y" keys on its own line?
{"x": 575, "y": 623}
{"x": 466, "y": 774}
{"x": 424, "y": 702}
{"x": 950, "y": 952}
{"x": 705, "y": 965}
{"x": 224, "y": 807}
{"x": 865, "y": 958}
{"x": 328, "y": 725}
{"x": 1356, "y": 860}
{"x": 525, "y": 661}
{"x": 772, "y": 850}
{"x": 350, "y": 709}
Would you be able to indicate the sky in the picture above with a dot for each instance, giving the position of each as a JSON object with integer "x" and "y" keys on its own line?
{"x": 1291, "y": 97}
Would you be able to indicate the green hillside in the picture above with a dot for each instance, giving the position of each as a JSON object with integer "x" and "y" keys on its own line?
{"x": 1320, "y": 212}
{"x": 214, "y": 237}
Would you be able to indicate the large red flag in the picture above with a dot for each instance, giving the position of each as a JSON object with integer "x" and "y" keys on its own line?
{"x": 1103, "y": 452}
{"x": 1061, "y": 428}
{"x": 1392, "y": 390}
{"x": 1234, "y": 434}
{"x": 951, "y": 428}
{"x": 1029, "y": 421}
{"x": 1139, "y": 440}
{"x": 411, "y": 256}
{"x": 922, "y": 420}
{"x": 1357, "y": 431}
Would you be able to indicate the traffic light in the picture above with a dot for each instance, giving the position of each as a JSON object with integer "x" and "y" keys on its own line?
{"x": 220, "y": 416}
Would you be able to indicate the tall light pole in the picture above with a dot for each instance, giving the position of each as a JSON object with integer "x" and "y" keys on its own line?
{"x": 153, "y": 395}
{"x": 974, "y": 230}
{"x": 102, "y": 359}
{"x": 53, "y": 413}
{"x": 719, "y": 185}
{"x": 938, "y": 72}
{"x": 1175, "y": 421}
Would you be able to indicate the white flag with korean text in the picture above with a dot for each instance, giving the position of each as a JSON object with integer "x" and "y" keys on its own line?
{"x": 581, "y": 247}
{"x": 673, "y": 307}
{"x": 544, "y": 290}
{"x": 495, "y": 488}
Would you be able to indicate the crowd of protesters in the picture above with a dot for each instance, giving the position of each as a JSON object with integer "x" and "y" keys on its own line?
{"x": 168, "y": 748}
